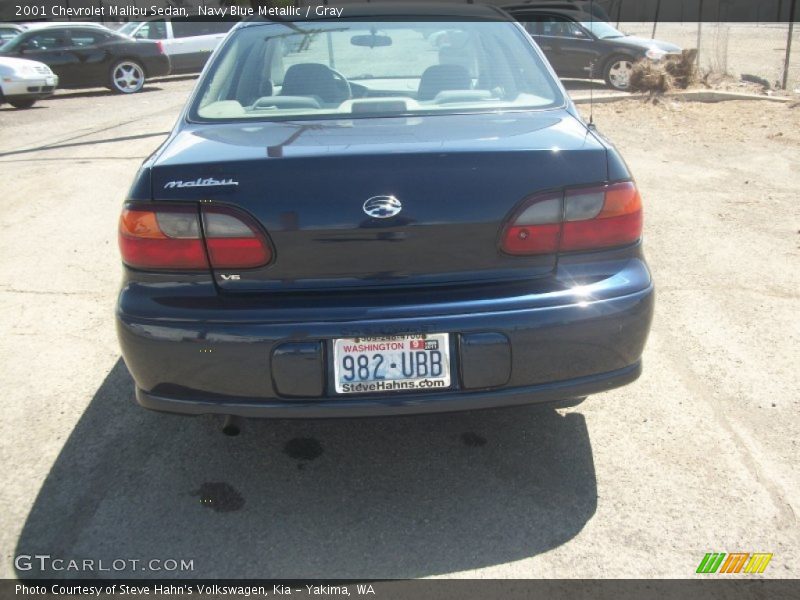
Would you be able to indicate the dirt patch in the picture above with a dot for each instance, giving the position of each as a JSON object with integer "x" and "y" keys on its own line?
{"x": 728, "y": 83}
{"x": 692, "y": 127}
{"x": 719, "y": 184}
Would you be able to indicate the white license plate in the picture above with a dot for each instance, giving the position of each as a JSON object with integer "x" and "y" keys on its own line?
{"x": 392, "y": 363}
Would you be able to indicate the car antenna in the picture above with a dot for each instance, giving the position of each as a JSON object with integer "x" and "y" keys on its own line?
{"x": 591, "y": 81}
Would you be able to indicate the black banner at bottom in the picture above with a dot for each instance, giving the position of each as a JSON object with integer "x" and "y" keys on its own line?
{"x": 434, "y": 589}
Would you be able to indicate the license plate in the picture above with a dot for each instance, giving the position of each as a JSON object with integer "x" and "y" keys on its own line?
{"x": 392, "y": 363}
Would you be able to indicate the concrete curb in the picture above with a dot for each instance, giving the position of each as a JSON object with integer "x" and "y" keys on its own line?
{"x": 690, "y": 96}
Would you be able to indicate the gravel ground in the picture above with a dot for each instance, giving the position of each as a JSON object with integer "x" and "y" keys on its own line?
{"x": 699, "y": 455}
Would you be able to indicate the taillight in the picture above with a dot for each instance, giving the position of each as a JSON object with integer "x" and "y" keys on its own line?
{"x": 160, "y": 46}
{"x": 586, "y": 218}
{"x": 168, "y": 237}
{"x": 536, "y": 229}
{"x": 233, "y": 240}
{"x": 160, "y": 237}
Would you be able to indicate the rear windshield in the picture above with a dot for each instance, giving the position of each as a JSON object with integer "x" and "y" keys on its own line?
{"x": 354, "y": 69}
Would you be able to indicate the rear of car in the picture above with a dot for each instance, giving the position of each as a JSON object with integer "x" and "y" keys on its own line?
{"x": 23, "y": 82}
{"x": 152, "y": 55}
{"x": 370, "y": 217}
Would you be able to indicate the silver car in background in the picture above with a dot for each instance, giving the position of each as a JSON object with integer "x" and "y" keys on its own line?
{"x": 8, "y": 31}
{"x": 188, "y": 42}
{"x": 23, "y": 82}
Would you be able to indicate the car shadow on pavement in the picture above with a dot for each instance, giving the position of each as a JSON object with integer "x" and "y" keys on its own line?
{"x": 94, "y": 92}
{"x": 9, "y": 108}
{"x": 371, "y": 498}
{"x": 181, "y": 77}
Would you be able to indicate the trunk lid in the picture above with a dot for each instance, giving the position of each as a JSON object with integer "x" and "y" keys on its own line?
{"x": 457, "y": 178}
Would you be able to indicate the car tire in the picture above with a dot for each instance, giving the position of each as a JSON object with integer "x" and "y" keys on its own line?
{"x": 617, "y": 72}
{"x": 126, "y": 77}
{"x": 22, "y": 103}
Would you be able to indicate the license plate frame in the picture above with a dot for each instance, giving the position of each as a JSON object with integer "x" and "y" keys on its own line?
{"x": 400, "y": 355}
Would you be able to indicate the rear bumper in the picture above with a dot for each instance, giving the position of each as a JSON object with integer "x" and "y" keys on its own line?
{"x": 548, "y": 347}
{"x": 157, "y": 66}
{"x": 399, "y": 404}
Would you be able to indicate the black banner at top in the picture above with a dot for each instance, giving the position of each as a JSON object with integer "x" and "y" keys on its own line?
{"x": 762, "y": 11}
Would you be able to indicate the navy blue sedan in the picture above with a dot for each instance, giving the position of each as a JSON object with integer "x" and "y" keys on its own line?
{"x": 369, "y": 217}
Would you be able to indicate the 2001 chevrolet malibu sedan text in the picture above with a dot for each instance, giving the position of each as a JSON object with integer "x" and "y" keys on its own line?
{"x": 379, "y": 216}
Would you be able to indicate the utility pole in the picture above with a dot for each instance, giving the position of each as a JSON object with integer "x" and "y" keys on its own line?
{"x": 655, "y": 20}
{"x": 699, "y": 30}
{"x": 792, "y": 16}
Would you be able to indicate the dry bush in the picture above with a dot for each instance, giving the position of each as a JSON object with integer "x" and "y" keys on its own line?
{"x": 659, "y": 77}
{"x": 683, "y": 69}
{"x": 650, "y": 77}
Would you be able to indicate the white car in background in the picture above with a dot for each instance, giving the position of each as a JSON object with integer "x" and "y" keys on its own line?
{"x": 188, "y": 43}
{"x": 23, "y": 82}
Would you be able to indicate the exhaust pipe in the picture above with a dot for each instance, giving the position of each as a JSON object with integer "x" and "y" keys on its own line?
{"x": 232, "y": 425}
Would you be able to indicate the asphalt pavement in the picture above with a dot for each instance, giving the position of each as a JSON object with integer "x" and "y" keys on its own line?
{"x": 699, "y": 455}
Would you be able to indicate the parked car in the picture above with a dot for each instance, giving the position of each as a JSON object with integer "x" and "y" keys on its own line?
{"x": 23, "y": 82}
{"x": 8, "y": 31}
{"x": 583, "y": 47}
{"x": 89, "y": 55}
{"x": 187, "y": 42}
{"x": 409, "y": 231}
{"x": 593, "y": 8}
